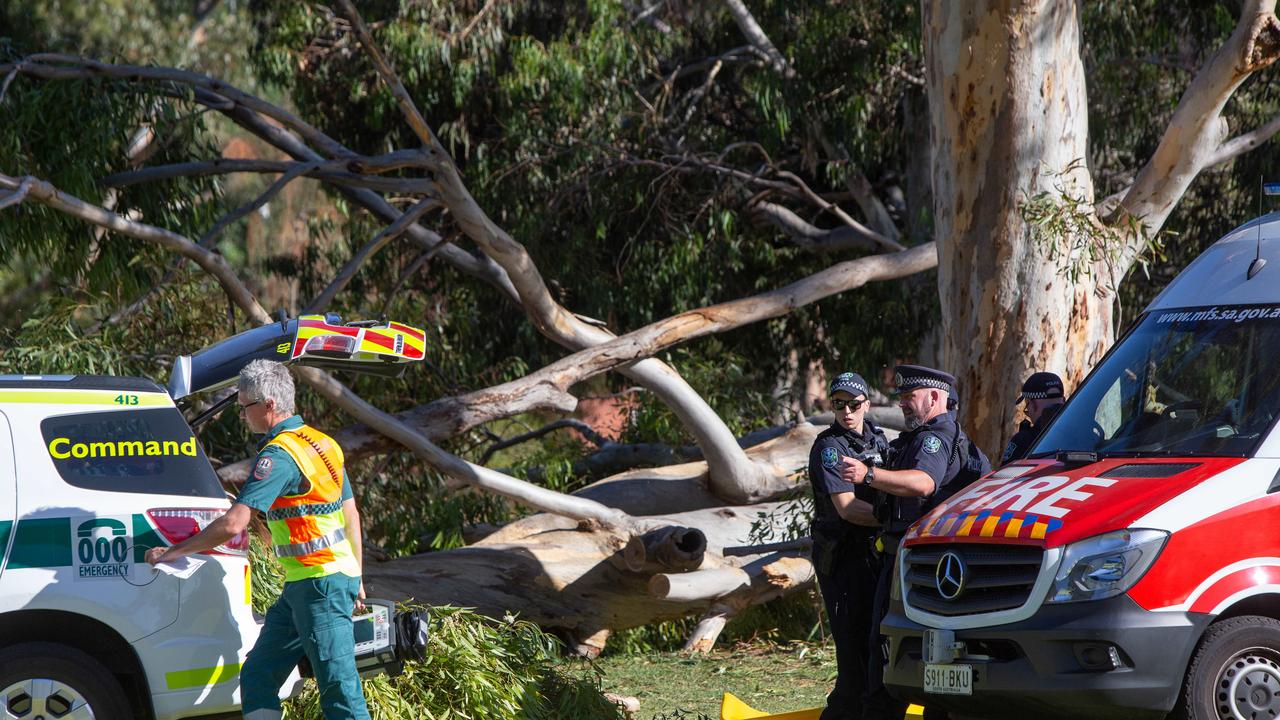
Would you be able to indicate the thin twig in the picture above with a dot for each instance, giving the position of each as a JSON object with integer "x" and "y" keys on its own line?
{"x": 9, "y": 79}
{"x": 467, "y": 30}
{"x": 413, "y": 268}
{"x": 587, "y": 431}
{"x": 416, "y": 121}
{"x": 300, "y": 169}
{"x": 379, "y": 241}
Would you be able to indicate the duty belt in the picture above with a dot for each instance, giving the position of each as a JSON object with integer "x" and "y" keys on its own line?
{"x": 306, "y": 548}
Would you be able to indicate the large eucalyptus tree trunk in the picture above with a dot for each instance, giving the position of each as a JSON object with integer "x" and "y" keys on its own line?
{"x": 1008, "y": 118}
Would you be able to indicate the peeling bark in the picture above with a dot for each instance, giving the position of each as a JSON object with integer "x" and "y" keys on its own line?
{"x": 1008, "y": 114}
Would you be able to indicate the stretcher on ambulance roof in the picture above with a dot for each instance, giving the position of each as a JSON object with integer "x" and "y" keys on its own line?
{"x": 375, "y": 347}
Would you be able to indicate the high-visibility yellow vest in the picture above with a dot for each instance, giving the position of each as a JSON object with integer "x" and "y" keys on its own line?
{"x": 308, "y": 530}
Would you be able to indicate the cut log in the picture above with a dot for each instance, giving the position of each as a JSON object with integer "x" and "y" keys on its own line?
{"x": 769, "y": 578}
{"x": 703, "y": 638}
{"x": 698, "y": 585}
{"x": 572, "y": 577}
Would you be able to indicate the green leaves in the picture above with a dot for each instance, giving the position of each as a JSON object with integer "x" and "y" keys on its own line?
{"x": 479, "y": 668}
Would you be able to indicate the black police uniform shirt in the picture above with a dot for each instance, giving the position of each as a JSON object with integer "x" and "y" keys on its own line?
{"x": 928, "y": 449}
{"x": 1021, "y": 442}
{"x": 825, "y": 470}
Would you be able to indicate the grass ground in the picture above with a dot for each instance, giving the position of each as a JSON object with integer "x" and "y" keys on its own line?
{"x": 773, "y": 678}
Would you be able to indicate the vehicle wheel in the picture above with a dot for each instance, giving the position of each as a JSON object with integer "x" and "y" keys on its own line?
{"x": 1234, "y": 672}
{"x": 50, "y": 682}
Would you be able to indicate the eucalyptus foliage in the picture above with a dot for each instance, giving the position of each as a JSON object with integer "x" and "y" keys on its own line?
{"x": 475, "y": 668}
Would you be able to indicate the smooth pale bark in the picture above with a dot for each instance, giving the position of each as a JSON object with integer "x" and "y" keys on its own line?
{"x": 731, "y": 472}
{"x": 574, "y": 578}
{"x": 1197, "y": 134}
{"x": 1008, "y": 113}
{"x": 767, "y": 578}
{"x": 328, "y": 387}
{"x": 1008, "y": 121}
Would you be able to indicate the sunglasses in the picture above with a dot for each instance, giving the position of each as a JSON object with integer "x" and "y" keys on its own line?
{"x": 246, "y": 406}
{"x": 851, "y": 404}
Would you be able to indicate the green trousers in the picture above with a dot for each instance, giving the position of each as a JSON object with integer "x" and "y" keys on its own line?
{"x": 312, "y": 616}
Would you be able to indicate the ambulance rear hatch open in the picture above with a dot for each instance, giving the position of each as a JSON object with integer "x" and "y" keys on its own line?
{"x": 384, "y": 638}
{"x": 376, "y": 347}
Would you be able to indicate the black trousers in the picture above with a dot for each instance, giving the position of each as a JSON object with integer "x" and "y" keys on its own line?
{"x": 847, "y": 572}
{"x": 879, "y": 704}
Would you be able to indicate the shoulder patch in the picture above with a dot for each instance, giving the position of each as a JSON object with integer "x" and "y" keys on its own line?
{"x": 931, "y": 444}
{"x": 263, "y": 468}
{"x": 830, "y": 457}
{"x": 1008, "y": 451}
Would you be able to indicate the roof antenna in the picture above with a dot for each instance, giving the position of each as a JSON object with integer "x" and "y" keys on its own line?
{"x": 1258, "y": 260}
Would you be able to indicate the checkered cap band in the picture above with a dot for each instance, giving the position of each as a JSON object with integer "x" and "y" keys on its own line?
{"x": 921, "y": 381}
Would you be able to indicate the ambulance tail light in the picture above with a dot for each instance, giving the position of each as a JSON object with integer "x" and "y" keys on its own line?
{"x": 178, "y": 524}
{"x": 334, "y": 346}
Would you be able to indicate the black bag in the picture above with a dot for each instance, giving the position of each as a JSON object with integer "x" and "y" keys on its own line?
{"x": 412, "y": 635}
{"x": 974, "y": 465}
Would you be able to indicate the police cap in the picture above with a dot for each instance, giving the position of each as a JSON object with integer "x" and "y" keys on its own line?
{"x": 851, "y": 383}
{"x": 910, "y": 377}
{"x": 1041, "y": 385}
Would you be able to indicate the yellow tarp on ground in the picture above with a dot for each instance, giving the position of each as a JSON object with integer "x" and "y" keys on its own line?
{"x": 731, "y": 708}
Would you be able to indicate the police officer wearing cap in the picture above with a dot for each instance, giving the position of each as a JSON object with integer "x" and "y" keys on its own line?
{"x": 924, "y": 460}
{"x": 1044, "y": 397}
{"x": 844, "y": 527}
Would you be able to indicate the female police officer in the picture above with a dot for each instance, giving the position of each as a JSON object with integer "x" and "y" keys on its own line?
{"x": 930, "y": 461}
{"x": 843, "y": 530}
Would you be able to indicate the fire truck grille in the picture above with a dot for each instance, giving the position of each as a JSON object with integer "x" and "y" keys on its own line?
{"x": 965, "y": 579}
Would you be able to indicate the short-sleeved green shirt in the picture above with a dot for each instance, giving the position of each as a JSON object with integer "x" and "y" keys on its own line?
{"x": 275, "y": 473}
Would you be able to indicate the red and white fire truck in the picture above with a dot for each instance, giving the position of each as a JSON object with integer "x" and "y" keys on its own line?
{"x": 1130, "y": 567}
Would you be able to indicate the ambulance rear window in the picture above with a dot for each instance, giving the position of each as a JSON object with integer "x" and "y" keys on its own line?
{"x": 134, "y": 451}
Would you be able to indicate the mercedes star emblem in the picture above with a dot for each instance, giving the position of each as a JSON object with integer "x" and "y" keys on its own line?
{"x": 949, "y": 578}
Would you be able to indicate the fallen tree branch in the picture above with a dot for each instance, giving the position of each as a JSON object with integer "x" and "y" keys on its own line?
{"x": 730, "y": 468}
{"x": 326, "y": 385}
{"x": 211, "y": 263}
{"x": 262, "y": 199}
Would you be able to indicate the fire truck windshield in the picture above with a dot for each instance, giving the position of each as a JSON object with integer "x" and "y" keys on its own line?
{"x": 1198, "y": 381}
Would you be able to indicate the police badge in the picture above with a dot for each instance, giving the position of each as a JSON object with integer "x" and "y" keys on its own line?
{"x": 830, "y": 457}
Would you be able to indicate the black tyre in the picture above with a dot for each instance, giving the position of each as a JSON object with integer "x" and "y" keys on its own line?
{"x": 44, "y": 680}
{"x": 1234, "y": 672}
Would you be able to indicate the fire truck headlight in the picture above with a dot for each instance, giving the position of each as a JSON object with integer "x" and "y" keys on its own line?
{"x": 1105, "y": 565}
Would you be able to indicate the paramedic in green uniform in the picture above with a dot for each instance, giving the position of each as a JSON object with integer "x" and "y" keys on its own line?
{"x": 299, "y": 482}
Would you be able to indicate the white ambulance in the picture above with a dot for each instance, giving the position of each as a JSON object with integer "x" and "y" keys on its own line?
{"x": 1130, "y": 567}
{"x": 93, "y": 472}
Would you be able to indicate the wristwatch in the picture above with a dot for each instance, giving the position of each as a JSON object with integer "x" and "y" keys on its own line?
{"x": 870, "y": 476}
